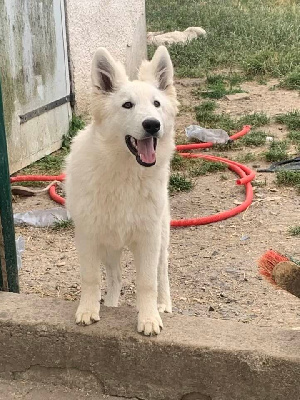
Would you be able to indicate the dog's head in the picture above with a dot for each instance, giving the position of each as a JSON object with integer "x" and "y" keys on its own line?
{"x": 138, "y": 114}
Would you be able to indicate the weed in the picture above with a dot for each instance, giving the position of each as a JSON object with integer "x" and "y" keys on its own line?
{"x": 245, "y": 158}
{"x": 290, "y": 119}
{"x": 179, "y": 183}
{"x": 255, "y": 120}
{"x": 179, "y": 163}
{"x": 257, "y": 183}
{"x": 48, "y": 165}
{"x": 219, "y": 86}
{"x": 204, "y": 167}
{"x": 294, "y": 230}
{"x": 205, "y": 115}
{"x": 76, "y": 124}
{"x": 277, "y": 151}
{"x": 292, "y": 80}
{"x": 208, "y": 118}
{"x": 294, "y": 137}
{"x": 288, "y": 178}
{"x": 63, "y": 224}
{"x": 254, "y": 139}
{"x": 207, "y": 106}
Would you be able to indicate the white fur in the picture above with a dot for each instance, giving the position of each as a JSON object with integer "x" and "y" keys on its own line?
{"x": 114, "y": 201}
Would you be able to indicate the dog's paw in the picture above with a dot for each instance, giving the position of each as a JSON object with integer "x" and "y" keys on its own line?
{"x": 164, "y": 308}
{"x": 87, "y": 315}
{"x": 149, "y": 324}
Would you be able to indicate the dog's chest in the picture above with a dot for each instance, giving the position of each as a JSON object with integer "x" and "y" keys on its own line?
{"x": 125, "y": 206}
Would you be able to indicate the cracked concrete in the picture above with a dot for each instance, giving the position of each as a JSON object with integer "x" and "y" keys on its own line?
{"x": 16, "y": 390}
{"x": 192, "y": 359}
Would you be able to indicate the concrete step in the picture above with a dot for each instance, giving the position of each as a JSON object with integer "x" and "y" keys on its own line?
{"x": 24, "y": 390}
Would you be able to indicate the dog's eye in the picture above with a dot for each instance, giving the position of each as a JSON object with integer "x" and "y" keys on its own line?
{"x": 128, "y": 104}
{"x": 156, "y": 103}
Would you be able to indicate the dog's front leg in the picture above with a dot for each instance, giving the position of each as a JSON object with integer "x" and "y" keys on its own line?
{"x": 146, "y": 254}
{"x": 164, "y": 298}
{"x": 89, "y": 258}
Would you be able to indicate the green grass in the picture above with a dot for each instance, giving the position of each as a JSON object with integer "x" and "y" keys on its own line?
{"x": 294, "y": 137}
{"x": 179, "y": 163}
{"x": 253, "y": 139}
{"x": 48, "y": 165}
{"x": 207, "y": 118}
{"x": 290, "y": 119}
{"x": 259, "y": 37}
{"x": 76, "y": 124}
{"x": 277, "y": 151}
{"x": 219, "y": 86}
{"x": 246, "y": 158}
{"x": 179, "y": 183}
{"x": 207, "y": 106}
{"x": 288, "y": 178}
{"x": 294, "y": 230}
{"x": 292, "y": 80}
{"x": 68, "y": 224}
{"x": 203, "y": 167}
{"x": 255, "y": 119}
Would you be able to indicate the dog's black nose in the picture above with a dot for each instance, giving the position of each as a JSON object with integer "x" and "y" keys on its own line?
{"x": 151, "y": 125}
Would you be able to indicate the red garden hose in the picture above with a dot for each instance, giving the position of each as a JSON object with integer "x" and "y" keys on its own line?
{"x": 246, "y": 176}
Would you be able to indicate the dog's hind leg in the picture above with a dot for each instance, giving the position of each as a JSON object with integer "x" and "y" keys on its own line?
{"x": 89, "y": 258}
{"x": 113, "y": 277}
{"x": 146, "y": 254}
{"x": 164, "y": 297}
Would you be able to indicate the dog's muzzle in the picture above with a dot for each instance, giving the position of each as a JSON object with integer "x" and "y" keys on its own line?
{"x": 143, "y": 149}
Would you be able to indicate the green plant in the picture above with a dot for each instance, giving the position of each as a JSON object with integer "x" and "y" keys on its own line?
{"x": 245, "y": 158}
{"x": 260, "y": 37}
{"x": 76, "y": 124}
{"x": 179, "y": 183}
{"x": 254, "y": 139}
{"x": 219, "y": 85}
{"x": 203, "y": 167}
{"x": 294, "y": 230}
{"x": 179, "y": 163}
{"x": 48, "y": 165}
{"x": 63, "y": 224}
{"x": 257, "y": 183}
{"x": 294, "y": 137}
{"x": 288, "y": 178}
{"x": 255, "y": 119}
{"x": 277, "y": 151}
{"x": 290, "y": 119}
{"x": 292, "y": 80}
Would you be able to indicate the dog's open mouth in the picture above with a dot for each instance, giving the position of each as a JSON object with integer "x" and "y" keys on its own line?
{"x": 143, "y": 150}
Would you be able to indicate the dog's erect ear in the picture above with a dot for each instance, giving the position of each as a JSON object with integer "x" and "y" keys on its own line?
{"x": 159, "y": 70}
{"x": 107, "y": 74}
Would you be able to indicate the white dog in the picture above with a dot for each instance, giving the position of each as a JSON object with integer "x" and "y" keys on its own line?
{"x": 117, "y": 186}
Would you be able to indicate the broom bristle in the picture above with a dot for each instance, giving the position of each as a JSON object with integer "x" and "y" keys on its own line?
{"x": 267, "y": 263}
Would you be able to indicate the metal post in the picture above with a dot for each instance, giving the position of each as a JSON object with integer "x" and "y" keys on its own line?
{"x": 8, "y": 258}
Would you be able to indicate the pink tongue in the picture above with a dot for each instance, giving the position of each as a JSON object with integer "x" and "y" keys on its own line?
{"x": 146, "y": 150}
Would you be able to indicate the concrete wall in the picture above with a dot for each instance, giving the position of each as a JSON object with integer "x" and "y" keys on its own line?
{"x": 192, "y": 359}
{"x": 116, "y": 24}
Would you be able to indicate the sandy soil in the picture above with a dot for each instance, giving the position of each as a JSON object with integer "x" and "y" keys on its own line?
{"x": 213, "y": 268}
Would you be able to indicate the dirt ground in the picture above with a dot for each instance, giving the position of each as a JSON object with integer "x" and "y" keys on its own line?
{"x": 213, "y": 268}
